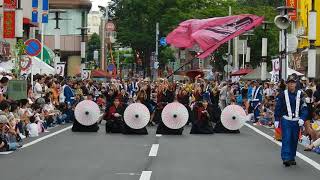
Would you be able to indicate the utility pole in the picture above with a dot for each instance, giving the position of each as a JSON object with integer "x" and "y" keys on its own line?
{"x": 282, "y": 21}
{"x": 229, "y": 45}
{"x": 57, "y": 41}
{"x": 104, "y": 19}
{"x": 83, "y": 43}
{"x": 264, "y": 53}
{"x": 155, "y": 72}
{"x": 312, "y": 35}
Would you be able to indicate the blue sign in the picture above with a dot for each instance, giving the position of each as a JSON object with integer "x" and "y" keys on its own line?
{"x": 163, "y": 41}
{"x": 45, "y": 11}
{"x": 35, "y": 4}
{"x": 111, "y": 67}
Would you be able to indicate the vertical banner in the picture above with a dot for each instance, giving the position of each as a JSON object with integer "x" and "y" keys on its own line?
{"x": 275, "y": 70}
{"x": 45, "y": 11}
{"x": 9, "y": 24}
{"x": 85, "y": 74}
{"x": 9, "y": 16}
{"x": 293, "y": 13}
{"x": 60, "y": 68}
{"x": 35, "y": 11}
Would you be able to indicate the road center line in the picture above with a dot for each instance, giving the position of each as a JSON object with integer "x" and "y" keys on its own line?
{"x": 46, "y": 137}
{"x": 301, "y": 156}
{"x": 146, "y": 175}
{"x": 158, "y": 135}
{"x": 154, "y": 150}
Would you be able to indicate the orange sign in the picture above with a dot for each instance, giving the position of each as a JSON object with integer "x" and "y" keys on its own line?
{"x": 293, "y": 13}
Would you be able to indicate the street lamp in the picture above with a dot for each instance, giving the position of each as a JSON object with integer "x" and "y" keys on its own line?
{"x": 264, "y": 52}
{"x": 246, "y": 38}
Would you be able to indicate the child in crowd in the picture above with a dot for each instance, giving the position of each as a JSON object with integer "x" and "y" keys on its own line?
{"x": 266, "y": 114}
{"x": 9, "y": 137}
{"x": 32, "y": 128}
{"x": 316, "y": 133}
{"x": 39, "y": 118}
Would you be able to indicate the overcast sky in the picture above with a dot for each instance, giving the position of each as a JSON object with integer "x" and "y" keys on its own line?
{"x": 96, "y": 3}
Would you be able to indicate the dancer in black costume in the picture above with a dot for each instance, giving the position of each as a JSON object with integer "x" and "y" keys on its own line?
{"x": 166, "y": 96}
{"x": 202, "y": 123}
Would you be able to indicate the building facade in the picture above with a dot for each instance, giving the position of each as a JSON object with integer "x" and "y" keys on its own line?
{"x": 300, "y": 28}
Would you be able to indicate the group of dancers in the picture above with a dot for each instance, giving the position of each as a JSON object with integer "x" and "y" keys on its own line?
{"x": 199, "y": 99}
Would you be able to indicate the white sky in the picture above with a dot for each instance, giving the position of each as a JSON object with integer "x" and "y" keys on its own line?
{"x": 96, "y": 3}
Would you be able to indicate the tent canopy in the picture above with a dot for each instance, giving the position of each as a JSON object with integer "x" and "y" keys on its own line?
{"x": 38, "y": 67}
{"x": 255, "y": 75}
{"x": 242, "y": 72}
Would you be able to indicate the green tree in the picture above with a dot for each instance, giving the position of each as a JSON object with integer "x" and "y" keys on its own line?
{"x": 93, "y": 44}
{"x": 20, "y": 49}
{"x": 136, "y": 19}
{"x": 166, "y": 56}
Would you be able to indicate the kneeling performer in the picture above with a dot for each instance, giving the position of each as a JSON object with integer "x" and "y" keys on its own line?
{"x": 174, "y": 117}
{"x": 202, "y": 123}
{"x": 136, "y": 117}
{"x": 87, "y": 114}
{"x": 114, "y": 117}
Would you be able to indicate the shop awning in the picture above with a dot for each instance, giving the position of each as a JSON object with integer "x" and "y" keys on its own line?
{"x": 242, "y": 72}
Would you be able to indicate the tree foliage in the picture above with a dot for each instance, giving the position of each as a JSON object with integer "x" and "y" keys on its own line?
{"x": 93, "y": 44}
{"x": 136, "y": 21}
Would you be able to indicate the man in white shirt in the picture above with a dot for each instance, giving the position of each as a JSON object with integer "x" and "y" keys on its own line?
{"x": 37, "y": 89}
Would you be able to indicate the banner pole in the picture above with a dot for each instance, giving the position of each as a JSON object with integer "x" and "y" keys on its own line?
{"x": 42, "y": 40}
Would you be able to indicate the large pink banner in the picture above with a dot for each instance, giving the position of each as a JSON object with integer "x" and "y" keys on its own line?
{"x": 211, "y": 33}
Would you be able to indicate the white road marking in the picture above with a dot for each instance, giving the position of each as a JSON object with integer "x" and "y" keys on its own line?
{"x": 45, "y": 137}
{"x": 6, "y": 153}
{"x": 301, "y": 156}
{"x": 154, "y": 150}
{"x": 146, "y": 175}
{"x": 158, "y": 135}
{"x": 130, "y": 174}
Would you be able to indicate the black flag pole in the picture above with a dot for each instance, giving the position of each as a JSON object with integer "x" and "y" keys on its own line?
{"x": 190, "y": 61}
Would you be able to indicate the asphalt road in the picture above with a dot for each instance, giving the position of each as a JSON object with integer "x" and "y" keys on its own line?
{"x": 97, "y": 156}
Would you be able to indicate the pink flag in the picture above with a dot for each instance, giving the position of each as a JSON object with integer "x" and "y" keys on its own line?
{"x": 211, "y": 33}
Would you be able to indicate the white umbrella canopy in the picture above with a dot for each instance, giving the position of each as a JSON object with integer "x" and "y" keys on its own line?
{"x": 233, "y": 117}
{"x": 87, "y": 112}
{"x": 175, "y": 115}
{"x": 137, "y": 116}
